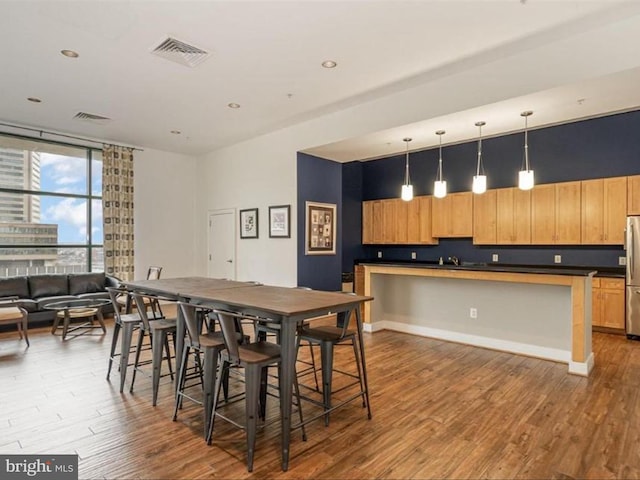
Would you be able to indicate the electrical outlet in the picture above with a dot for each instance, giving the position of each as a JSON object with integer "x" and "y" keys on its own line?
{"x": 557, "y": 259}
{"x": 494, "y": 257}
{"x": 413, "y": 255}
{"x": 379, "y": 254}
{"x": 473, "y": 312}
{"x": 622, "y": 260}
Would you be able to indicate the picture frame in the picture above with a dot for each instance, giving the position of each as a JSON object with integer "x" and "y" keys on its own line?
{"x": 249, "y": 223}
{"x": 280, "y": 221}
{"x": 320, "y": 228}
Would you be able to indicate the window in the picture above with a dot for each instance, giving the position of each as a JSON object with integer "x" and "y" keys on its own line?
{"x": 50, "y": 207}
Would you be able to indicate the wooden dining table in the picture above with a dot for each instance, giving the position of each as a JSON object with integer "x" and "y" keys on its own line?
{"x": 287, "y": 306}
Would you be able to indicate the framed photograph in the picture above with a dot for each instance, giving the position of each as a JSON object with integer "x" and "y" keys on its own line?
{"x": 320, "y": 228}
{"x": 249, "y": 223}
{"x": 279, "y": 221}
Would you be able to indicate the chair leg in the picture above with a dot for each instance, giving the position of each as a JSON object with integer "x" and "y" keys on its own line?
{"x": 158, "y": 340}
{"x": 360, "y": 376}
{"x": 168, "y": 353}
{"x": 141, "y": 336}
{"x": 262, "y": 398}
{"x": 181, "y": 382}
{"x": 326, "y": 353}
{"x": 114, "y": 343}
{"x": 214, "y": 404}
{"x": 313, "y": 365}
{"x": 210, "y": 367}
{"x": 125, "y": 349}
{"x": 253, "y": 383}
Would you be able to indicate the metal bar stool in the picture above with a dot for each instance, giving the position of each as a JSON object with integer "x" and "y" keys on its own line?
{"x": 328, "y": 337}
{"x": 255, "y": 358}
{"x": 158, "y": 330}
{"x": 127, "y": 323}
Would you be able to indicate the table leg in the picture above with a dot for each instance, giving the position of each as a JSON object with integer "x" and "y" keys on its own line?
{"x": 179, "y": 345}
{"x": 101, "y": 320}
{"x": 364, "y": 362}
{"x": 287, "y": 370}
{"x": 65, "y": 326}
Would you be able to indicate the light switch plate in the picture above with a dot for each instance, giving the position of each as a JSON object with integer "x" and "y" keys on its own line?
{"x": 622, "y": 260}
{"x": 494, "y": 257}
{"x": 557, "y": 259}
{"x": 413, "y": 255}
{"x": 379, "y": 254}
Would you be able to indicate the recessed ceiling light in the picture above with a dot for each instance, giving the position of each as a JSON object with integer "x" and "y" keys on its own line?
{"x": 34, "y": 99}
{"x": 329, "y": 64}
{"x": 233, "y": 105}
{"x": 176, "y": 132}
{"x": 70, "y": 53}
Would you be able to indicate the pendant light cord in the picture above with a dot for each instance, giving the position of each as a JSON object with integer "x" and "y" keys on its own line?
{"x": 439, "y": 175}
{"x": 407, "y": 178}
{"x": 480, "y": 167}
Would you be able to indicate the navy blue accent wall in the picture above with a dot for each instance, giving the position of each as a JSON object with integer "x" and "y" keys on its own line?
{"x": 319, "y": 180}
{"x": 352, "y": 248}
{"x": 596, "y": 148}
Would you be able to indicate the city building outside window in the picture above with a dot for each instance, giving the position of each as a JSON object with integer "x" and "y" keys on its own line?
{"x": 50, "y": 207}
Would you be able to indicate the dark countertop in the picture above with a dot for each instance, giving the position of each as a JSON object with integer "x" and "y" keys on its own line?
{"x": 574, "y": 270}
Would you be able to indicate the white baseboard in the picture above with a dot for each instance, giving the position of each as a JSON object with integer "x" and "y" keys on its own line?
{"x": 554, "y": 354}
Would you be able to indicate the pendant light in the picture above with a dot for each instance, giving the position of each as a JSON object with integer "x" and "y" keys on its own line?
{"x": 525, "y": 178}
{"x": 440, "y": 186}
{"x": 479, "y": 185}
{"x": 407, "y": 188}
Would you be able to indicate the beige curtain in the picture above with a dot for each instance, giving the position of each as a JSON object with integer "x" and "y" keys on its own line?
{"x": 117, "y": 205}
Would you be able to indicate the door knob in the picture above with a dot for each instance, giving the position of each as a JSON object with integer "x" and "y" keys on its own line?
{"x": 229, "y": 261}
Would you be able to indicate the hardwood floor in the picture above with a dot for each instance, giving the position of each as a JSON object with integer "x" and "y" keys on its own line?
{"x": 440, "y": 410}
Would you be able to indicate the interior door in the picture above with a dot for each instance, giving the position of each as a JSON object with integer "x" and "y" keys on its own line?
{"x": 222, "y": 244}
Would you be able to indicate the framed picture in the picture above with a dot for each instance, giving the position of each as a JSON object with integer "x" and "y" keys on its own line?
{"x": 249, "y": 223}
{"x": 320, "y": 228}
{"x": 279, "y": 221}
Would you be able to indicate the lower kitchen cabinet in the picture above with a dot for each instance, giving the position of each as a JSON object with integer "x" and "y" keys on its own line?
{"x": 608, "y": 303}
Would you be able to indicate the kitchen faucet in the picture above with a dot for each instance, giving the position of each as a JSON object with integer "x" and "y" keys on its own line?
{"x": 455, "y": 260}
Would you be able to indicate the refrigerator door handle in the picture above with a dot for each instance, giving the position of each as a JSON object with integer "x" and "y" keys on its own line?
{"x": 631, "y": 245}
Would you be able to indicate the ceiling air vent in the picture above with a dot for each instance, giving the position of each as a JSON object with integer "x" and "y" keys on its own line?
{"x": 180, "y": 52}
{"x": 90, "y": 117}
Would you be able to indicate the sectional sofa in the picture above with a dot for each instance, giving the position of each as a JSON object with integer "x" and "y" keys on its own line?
{"x": 35, "y": 291}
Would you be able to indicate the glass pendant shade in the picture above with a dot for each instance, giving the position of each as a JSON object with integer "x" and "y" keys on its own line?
{"x": 525, "y": 177}
{"x": 479, "y": 184}
{"x": 407, "y": 193}
{"x": 440, "y": 185}
{"x": 440, "y": 188}
{"x": 525, "y": 180}
{"x": 407, "y": 189}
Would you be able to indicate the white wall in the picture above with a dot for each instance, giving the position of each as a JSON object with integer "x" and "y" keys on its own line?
{"x": 164, "y": 203}
{"x": 262, "y": 171}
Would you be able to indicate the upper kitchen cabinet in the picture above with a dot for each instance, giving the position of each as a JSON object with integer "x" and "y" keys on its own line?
{"x": 555, "y": 214}
{"x": 453, "y": 215}
{"x": 484, "y": 218}
{"x": 513, "y": 208}
{"x": 396, "y": 222}
{"x": 633, "y": 195}
{"x": 604, "y": 210}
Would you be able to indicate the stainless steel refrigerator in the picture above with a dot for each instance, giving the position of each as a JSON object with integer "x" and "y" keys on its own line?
{"x": 632, "y": 244}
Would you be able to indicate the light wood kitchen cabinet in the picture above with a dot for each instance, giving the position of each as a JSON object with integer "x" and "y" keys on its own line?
{"x": 419, "y": 222}
{"x": 396, "y": 222}
{"x": 608, "y": 306}
{"x": 604, "y": 211}
{"x": 633, "y": 195}
{"x": 484, "y": 218}
{"x": 513, "y": 216}
{"x": 555, "y": 214}
{"x": 452, "y": 216}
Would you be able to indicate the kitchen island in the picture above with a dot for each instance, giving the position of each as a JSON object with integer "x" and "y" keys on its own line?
{"x": 540, "y": 312}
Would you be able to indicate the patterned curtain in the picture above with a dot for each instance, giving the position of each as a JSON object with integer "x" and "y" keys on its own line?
{"x": 117, "y": 205}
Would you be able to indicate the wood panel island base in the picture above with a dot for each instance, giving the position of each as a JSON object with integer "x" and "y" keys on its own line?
{"x": 538, "y": 312}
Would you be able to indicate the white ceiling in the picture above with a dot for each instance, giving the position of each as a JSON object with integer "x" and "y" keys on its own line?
{"x": 266, "y": 56}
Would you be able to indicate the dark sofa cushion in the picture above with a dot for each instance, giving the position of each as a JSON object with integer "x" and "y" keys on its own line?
{"x": 14, "y": 287}
{"x": 48, "y": 285}
{"x": 86, "y": 283}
